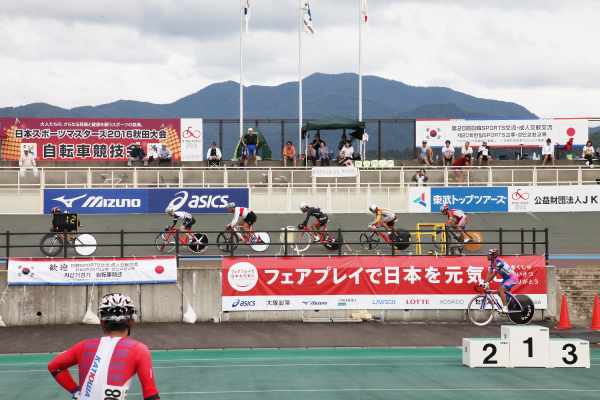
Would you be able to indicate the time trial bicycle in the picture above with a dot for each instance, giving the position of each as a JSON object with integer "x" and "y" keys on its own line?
{"x": 483, "y": 306}
{"x": 455, "y": 241}
{"x": 53, "y": 243}
{"x": 369, "y": 240}
{"x": 259, "y": 241}
{"x": 165, "y": 242}
{"x": 307, "y": 236}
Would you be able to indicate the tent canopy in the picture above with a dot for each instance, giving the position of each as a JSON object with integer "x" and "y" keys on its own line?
{"x": 334, "y": 122}
{"x": 262, "y": 145}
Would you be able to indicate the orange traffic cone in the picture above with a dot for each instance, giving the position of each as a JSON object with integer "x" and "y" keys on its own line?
{"x": 596, "y": 315}
{"x": 564, "y": 322}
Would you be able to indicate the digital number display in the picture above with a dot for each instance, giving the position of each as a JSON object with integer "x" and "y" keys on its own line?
{"x": 65, "y": 221}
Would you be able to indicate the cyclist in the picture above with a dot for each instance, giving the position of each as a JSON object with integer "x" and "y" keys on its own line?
{"x": 56, "y": 210}
{"x": 188, "y": 221}
{"x": 457, "y": 219}
{"x": 248, "y": 219}
{"x": 509, "y": 277}
{"x": 107, "y": 364}
{"x": 384, "y": 217}
{"x": 321, "y": 217}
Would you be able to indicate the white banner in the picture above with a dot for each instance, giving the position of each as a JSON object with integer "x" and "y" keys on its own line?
{"x": 191, "y": 139}
{"x": 324, "y": 172}
{"x": 354, "y": 302}
{"x": 553, "y": 198}
{"x": 87, "y": 271}
{"x": 503, "y": 132}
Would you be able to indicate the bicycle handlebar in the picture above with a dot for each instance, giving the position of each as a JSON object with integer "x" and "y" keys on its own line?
{"x": 477, "y": 290}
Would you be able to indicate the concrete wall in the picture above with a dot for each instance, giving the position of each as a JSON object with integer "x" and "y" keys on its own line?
{"x": 46, "y": 305}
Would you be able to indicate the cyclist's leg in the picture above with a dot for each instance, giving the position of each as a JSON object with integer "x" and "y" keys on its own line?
{"x": 507, "y": 284}
{"x": 315, "y": 225}
{"x": 187, "y": 226}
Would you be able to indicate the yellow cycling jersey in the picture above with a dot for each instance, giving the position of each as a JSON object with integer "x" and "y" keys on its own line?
{"x": 385, "y": 213}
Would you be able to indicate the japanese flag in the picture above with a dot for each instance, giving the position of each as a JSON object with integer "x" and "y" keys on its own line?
{"x": 578, "y": 132}
{"x": 246, "y": 6}
{"x": 363, "y": 10}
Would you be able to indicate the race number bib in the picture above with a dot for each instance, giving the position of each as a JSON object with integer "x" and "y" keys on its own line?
{"x": 114, "y": 392}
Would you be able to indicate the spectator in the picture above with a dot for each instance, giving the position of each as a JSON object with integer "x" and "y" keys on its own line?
{"x": 311, "y": 155}
{"x": 420, "y": 177}
{"x": 342, "y": 142}
{"x": 289, "y": 152}
{"x": 447, "y": 154}
{"x": 164, "y": 155}
{"x": 323, "y": 154}
{"x": 598, "y": 151}
{"x": 152, "y": 152}
{"x": 484, "y": 153}
{"x": 548, "y": 151}
{"x": 27, "y": 160}
{"x": 317, "y": 143}
{"x": 137, "y": 154}
{"x": 466, "y": 149}
{"x": 214, "y": 156}
{"x": 346, "y": 153}
{"x": 251, "y": 142}
{"x": 588, "y": 153}
{"x": 458, "y": 166}
{"x": 425, "y": 154}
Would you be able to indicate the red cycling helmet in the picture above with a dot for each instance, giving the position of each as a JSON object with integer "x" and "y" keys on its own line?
{"x": 55, "y": 210}
{"x": 444, "y": 208}
{"x": 494, "y": 252}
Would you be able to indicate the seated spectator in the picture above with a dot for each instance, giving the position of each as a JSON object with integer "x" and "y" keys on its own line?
{"x": 214, "y": 156}
{"x": 420, "y": 177}
{"x": 466, "y": 149}
{"x": 588, "y": 154}
{"x": 137, "y": 154}
{"x": 342, "y": 142}
{"x": 458, "y": 166}
{"x": 323, "y": 154}
{"x": 598, "y": 152}
{"x": 164, "y": 155}
{"x": 346, "y": 153}
{"x": 425, "y": 154}
{"x": 317, "y": 143}
{"x": 447, "y": 154}
{"x": 289, "y": 153}
{"x": 548, "y": 151}
{"x": 484, "y": 153}
{"x": 311, "y": 155}
{"x": 27, "y": 160}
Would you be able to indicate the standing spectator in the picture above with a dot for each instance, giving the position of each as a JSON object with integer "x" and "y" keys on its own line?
{"x": 484, "y": 153}
{"x": 137, "y": 154}
{"x": 289, "y": 152}
{"x": 323, "y": 154}
{"x": 164, "y": 155}
{"x": 466, "y": 149}
{"x": 311, "y": 155}
{"x": 342, "y": 142}
{"x": 588, "y": 153}
{"x": 213, "y": 156}
{"x": 420, "y": 177}
{"x": 346, "y": 153}
{"x": 27, "y": 160}
{"x": 251, "y": 142}
{"x": 425, "y": 154}
{"x": 548, "y": 151}
{"x": 317, "y": 143}
{"x": 448, "y": 154}
{"x": 459, "y": 165}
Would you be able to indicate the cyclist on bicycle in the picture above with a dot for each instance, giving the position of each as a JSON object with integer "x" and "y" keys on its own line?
{"x": 186, "y": 226}
{"x": 509, "y": 278}
{"x": 248, "y": 219}
{"x": 56, "y": 210}
{"x": 107, "y": 364}
{"x": 457, "y": 219}
{"x": 384, "y": 217}
{"x": 321, "y": 217}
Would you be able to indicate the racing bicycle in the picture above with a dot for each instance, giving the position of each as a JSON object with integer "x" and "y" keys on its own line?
{"x": 53, "y": 243}
{"x": 165, "y": 242}
{"x": 482, "y": 307}
{"x": 369, "y": 240}
{"x": 306, "y": 237}
{"x": 455, "y": 241}
{"x": 259, "y": 241}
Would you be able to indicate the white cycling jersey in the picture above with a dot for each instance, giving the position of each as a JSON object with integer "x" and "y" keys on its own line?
{"x": 239, "y": 212}
{"x": 182, "y": 215}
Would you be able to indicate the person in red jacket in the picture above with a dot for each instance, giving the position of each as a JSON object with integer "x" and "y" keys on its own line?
{"x": 458, "y": 165}
{"x": 107, "y": 364}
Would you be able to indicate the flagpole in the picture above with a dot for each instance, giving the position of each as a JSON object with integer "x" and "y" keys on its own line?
{"x": 241, "y": 68}
{"x": 300, "y": 76}
{"x": 359, "y": 63}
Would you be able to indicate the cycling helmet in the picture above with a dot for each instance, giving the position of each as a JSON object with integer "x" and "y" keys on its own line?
{"x": 303, "y": 205}
{"x": 373, "y": 207}
{"x": 494, "y": 252}
{"x": 55, "y": 210}
{"x": 116, "y": 308}
{"x": 444, "y": 208}
{"x": 169, "y": 209}
{"x": 231, "y": 205}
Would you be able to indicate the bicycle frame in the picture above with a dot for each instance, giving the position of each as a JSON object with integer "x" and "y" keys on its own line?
{"x": 384, "y": 234}
{"x": 489, "y": 294}
{"x": 314, "y": 234}
{"x": 178, "y": 233}
{"x": 240, "y": 234}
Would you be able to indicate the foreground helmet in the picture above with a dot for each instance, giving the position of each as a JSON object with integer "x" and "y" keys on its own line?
{"x": 116, "y": 308}
{"x": 169, "y": 209}
{"x": 444, "y": 208}
{"x": 303, "y": 205}
{"x": 55, "y": 210}
{"x": 373, "y": 207}
{"x": 494, "y": 252}
{"x": 231, "y": 205}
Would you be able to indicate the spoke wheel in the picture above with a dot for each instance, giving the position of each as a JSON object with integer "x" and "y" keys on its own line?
{"x": 165, "y": 243}
{"x": 302, "y": 241}
{"x": 51, "y": 245}
{"x": 225, "y": 240}
{"x": 202, "y": 243}
{"x": 525, "y": 316}
{"x": 477, "y": 315}
{"x": 369, "y": 240}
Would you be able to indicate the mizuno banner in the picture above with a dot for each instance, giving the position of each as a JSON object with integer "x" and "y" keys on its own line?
{"x": 97, "y": 201}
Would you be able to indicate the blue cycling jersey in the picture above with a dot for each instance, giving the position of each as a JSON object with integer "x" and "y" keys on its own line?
{"x": 502, "y": 268}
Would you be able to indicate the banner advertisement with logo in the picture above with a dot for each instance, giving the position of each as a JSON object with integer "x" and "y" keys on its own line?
{"x": 369, "y": 282}
{"x": 554, "y": 198}
{"x": 468, "y": 199}
{"x": 328, "y": 172}
{"x": 503, "y": 132}
{"x": 118, "y": 271}
{"x": 99, "y": 139}
{"x": 196, "y": 200}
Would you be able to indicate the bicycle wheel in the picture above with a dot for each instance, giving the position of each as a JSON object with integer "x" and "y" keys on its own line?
{"x": 85, "y": 245}
{"x": 302, "y": 241}
{"x": 202, "y": 244}
{"x": 369, "y": 240}
{"x": 51, "y": 245}
{"x": 475, "y": 243}
{"x": 477, "y": 315}
{"x": 165, "y": 242}
{"x": 262, "y": 243}
{"x": 527, "y": 307}
{"x": 401, "y": 239}
{"x": 225, "y": 240}
{"x": 331, "y": 243}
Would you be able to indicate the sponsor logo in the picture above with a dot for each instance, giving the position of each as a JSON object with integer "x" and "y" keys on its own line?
{"x": 206, "y": 201}
{"x": 417, "y": 301}
{"x": 314, "y": 303}
{"x": 100, "y": 201}
{"x": 68, "y": 202}
{"x": 452, "y": 301}
{"x": 341, "y": 304}
{"x": 383, "y": 302}
{"x": 92, "y": 376}
{"x": 278, "y": 303}
{"x": 520, "y": 196}
{"x": 420, "y": 200}
{"x": 243, "y": 303}
{"x": 242, "y": 276}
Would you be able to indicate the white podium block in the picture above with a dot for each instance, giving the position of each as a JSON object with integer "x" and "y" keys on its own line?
{"x": 485, "y": 352}
{"x": 569, "y": 353}
{"x": 529, "y": 345}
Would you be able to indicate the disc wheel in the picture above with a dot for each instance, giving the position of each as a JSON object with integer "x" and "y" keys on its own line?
{"x": 51, "y": 245}
{"x": 262, "y": 243}
{"x": 225, "y": 240}
{"x": 525, "y": 316}
{"x": 401, "y": 239}
{"x": 369, "y": 240}
{"x": 331, "y": 243}
{"x": 202, "y": 244}
{"x": 477, "y": 315}
{"x": 302, "y": 241}
{"x": 85, "y": 245}
{"x": 165, "y": 242}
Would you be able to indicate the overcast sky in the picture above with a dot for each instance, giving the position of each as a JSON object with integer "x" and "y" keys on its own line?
{"x": 542, "y": 54}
